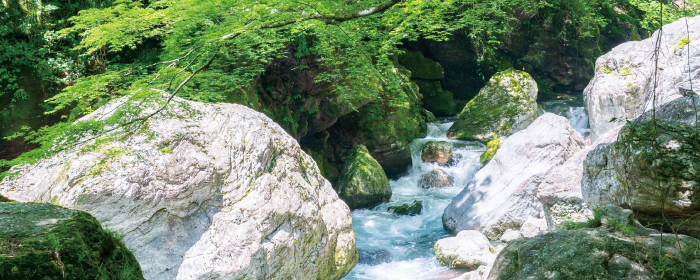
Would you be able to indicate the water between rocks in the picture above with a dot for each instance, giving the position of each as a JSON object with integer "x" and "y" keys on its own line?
{"x": 401, "y": 247}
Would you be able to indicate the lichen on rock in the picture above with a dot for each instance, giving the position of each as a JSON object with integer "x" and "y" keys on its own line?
{"x": 506, "y": 105}
{"x": 363, "y": 183}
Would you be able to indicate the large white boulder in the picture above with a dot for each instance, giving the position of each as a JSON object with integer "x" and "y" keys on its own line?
{"x": 503, "y": 194}
{"x": 203, "y": 191}
{"x": 623, "y": 84}
{"x": 560, "y": 191}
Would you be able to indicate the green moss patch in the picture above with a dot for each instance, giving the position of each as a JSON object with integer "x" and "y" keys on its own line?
{"x": 44, "y": 241}
{"x": 504, "y": 106}
{"x": 491, "y": 149}
{"x": 436, "y": 100}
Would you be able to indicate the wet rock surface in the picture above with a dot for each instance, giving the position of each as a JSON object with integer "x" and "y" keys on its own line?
{"x": 436, "y": 179}
{"x": 439, "y": 152}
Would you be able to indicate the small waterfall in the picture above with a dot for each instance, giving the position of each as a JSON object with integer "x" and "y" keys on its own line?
{"x": 409, "y": 240}
{"x": 401, "y": 247}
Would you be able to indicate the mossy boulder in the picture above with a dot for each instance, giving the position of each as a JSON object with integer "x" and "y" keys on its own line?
{"x": 491, "y": 149}
{"x": 598, "y": 254}
{"x": 44, "y": 241}
{"x": 439, "y": 152}
{"x": 363, "y": 183}
{"x": 421, "y": 67}
{"x": 412, "y": 209}
{"x": 436, "y": 100}
{"x": 506, "y": 105}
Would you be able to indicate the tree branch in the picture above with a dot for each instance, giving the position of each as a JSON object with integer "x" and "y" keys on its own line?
{"x": 338, "y": 19}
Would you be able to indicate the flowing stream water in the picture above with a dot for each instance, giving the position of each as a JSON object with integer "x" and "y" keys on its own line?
{"x": 401, "y": 247}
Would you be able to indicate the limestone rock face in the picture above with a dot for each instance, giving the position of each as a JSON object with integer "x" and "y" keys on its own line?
{"x": 206, "y": 191}
{"x": 363, "y": 183}
{"x": 506, "y": 105}
{"x": 435, "y": 179}
{"x": 628, "y": 173}
{"x": 44, "y": 241}
{"x": 591, "y": 254}
{"x": 560, "y": 191}
{"x": 437, "y": 151}
{"x": 623, "y": 82}
{"x": 468, "y": 250}
{"x": 503, "y": 194}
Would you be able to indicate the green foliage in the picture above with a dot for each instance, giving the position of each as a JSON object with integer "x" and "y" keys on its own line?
{"x": 671, "y": 11}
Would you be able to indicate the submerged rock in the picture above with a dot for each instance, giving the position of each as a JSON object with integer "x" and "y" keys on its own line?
{"x": 412, "y": 209}
{"x": 597, "y": 254}
{"x": 363, "y": 183}
{"x": 506, "y": 105}
{"x": 206, "y": 191}
{"x": 468, "y": 250}
{"x": 662, "y": 183}
{"x": 375, "y": 257}
{"x": 624, "y": 77}
{"x": 503, "y": 194}
{"x": 439, "y": 152}
{"x": 435, "y": 179}
{"x": 44, "y": 241}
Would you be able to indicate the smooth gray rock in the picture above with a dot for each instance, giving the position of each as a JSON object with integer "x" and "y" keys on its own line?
{"x": 215, "y": 191}
{"x": 623, "y": 82}
{"x": 503, "y": 194}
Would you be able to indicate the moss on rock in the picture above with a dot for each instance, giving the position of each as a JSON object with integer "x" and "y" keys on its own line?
{"x": 436, "y": 100}
{"x": 44, "y": 241}
{"x": 421, "y": 67}
{"x": 362, "y": 182}
{"x": 491, "y": 149}
{"x": 412, "y": 209}
{"x": 507, "y": 104}
{"x": 598, "y": 254}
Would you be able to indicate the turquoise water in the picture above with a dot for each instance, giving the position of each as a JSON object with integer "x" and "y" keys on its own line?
{"x": 409, "y": 240}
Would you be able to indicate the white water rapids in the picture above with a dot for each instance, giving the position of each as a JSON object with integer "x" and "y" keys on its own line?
{"x": 401, "y": 247}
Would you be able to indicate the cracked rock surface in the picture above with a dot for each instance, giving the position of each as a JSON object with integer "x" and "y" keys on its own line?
{"x": 203, "y": 191}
